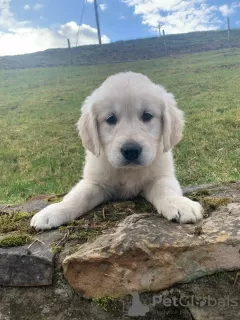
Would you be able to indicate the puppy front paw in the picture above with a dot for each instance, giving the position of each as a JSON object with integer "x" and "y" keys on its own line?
{"x": 50, "y": 217}
{"x": 180, "y": 209}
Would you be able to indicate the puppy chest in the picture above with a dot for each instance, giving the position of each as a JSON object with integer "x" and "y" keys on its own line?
{"x": 127, "y": 189}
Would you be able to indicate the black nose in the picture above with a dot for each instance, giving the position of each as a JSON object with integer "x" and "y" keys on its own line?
{"x": 131, "y": 151}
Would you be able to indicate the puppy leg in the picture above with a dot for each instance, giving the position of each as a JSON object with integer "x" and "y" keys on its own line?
{"x": 166, "y": 195}
{"x": 83, "y": 197}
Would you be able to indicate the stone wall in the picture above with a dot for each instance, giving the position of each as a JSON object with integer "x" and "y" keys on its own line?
{"x": 123, "y": 261}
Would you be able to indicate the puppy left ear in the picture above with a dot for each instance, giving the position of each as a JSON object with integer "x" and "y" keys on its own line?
{"x": 173, "y": 122}
{"x": 88, "y": 131}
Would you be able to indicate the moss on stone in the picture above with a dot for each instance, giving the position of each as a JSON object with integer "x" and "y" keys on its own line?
{"x": 209, "y": 201}
{"x": 212, "y": 203}
{"x": 201, "y": 193}
{"x": 85, "y": 235}
{"x": 16, "y": 221}
{"x": 102, "y": 218}
{"x": 55, "y": 198}
{"x": 108, "y": 304}
{"x": 76, "y": 234}
{"x": 56, "y": 248}
{"x": 15, "y": 240}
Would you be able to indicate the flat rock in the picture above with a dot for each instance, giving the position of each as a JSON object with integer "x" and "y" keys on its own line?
{"x": 29, "y": 265}
{"x": 25, "y": 267}
{"x": 148, "y": 253}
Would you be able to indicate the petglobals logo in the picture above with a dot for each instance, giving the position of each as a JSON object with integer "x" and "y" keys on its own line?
{"x": 185, "y": 301}
{"x": 136, "y": 308}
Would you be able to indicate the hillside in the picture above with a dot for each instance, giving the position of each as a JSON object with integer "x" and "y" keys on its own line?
{"x": 122, "y": 51}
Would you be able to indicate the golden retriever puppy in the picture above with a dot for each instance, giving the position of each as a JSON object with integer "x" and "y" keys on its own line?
{"x": 128, "y": 127}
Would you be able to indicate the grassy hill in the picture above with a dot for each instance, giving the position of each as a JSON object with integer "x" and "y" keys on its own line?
{"x": 122, "y": 51}
{"x": 40, "y": 151}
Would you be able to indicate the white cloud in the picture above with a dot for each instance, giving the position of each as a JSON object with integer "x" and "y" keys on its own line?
{"x": 177, "y": 16}
{"x": 103, "y": 7}
{"x": 27, "y": 7}
{"x": 21, "y": 37}
{"x": 38, "y": 6}
{"x": 27, "y": 40}
{"x": 6, "y": 16}
{"x": 122, "y": 17}
{"x": 87, "y": 34}
{"x": 227, "y": 10}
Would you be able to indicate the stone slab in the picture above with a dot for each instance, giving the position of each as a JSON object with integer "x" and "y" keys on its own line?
{"x": 29, "y": 265}
{"x": 149, "y": 253}
{"x": 26, "y": 267}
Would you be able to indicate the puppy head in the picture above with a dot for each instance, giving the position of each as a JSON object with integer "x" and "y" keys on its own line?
{"x": 130, "y": 119}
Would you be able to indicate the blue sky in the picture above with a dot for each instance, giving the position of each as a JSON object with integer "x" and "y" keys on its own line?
{"x": 34, "y": 25}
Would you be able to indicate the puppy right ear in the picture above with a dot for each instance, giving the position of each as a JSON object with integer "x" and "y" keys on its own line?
{"x": 88, "y": 131}
{"x": 172, "y": 122}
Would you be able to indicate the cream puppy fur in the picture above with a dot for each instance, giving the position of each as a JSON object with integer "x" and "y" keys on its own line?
{"x": 128, "y": 127}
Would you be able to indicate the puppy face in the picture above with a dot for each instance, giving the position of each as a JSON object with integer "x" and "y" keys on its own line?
{"x": 129, "y": 127}
{"x": 130, "y": 119}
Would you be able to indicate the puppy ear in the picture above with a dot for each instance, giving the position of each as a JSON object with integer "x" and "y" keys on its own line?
{"x": 88, "y": 131}
{"x": 173, "y": 122}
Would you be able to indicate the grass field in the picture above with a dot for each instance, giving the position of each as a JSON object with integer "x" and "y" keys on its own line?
{"x": 39, "y": 148}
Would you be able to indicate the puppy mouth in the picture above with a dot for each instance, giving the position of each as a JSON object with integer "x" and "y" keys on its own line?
{"x": 127, "y": 164}
{"x": 132, "y": 164}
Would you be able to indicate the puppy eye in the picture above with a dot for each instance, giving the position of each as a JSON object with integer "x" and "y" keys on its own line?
{"x": 147, "y": 116}
{"x": 111, "y": 120}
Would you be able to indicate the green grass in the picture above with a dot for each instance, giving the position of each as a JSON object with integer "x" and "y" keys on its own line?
{"x": 40, "y": 151}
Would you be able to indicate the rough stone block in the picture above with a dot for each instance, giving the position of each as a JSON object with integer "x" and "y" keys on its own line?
{"x": 21, "y": 266}
{"x": 148, "y": 253}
